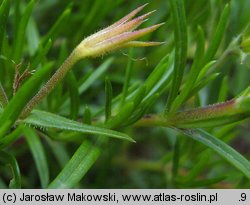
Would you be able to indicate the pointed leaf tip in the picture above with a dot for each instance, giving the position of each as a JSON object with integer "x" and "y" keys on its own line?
{"x": 142, "y": 44}
{"x": 127, "y": 17}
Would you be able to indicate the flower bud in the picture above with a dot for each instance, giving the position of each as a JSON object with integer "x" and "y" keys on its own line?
{"x": 121, "y": 34}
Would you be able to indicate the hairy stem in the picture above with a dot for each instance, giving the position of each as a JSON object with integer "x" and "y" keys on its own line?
{"x": 210, "y": 116}
{"x": 51, "y": 83}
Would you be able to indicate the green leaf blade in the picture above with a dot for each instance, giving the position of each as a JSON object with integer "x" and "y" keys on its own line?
{"x": 180, "y": 30}
{"x": 3, "y": 96}
{"x": 48, "y": 120}
{"x": 39, "y": 155}
{"x": 77, "y": 167}
{"x": 224, "y": 150}
{"x": 74, "y": 95}
{"x": 10, "y": 160}
{"x": 22, "y": 25}
{"x": 218, "y": 35}
{"x": 4, "y": 13}
{"x": 108, "y": 99}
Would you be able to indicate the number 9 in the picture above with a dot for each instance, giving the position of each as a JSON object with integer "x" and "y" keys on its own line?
{"x": 243, "y": 196}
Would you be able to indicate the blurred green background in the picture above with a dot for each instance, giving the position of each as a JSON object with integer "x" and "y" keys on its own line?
{"x": 148, "y": 162}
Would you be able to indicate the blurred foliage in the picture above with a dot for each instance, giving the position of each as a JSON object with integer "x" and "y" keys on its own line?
{"x": 41, "y": 34}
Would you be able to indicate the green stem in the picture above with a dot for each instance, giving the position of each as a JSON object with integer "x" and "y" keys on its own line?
{"x": 52, "y": 82}
{"x": 213, "y": 115}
